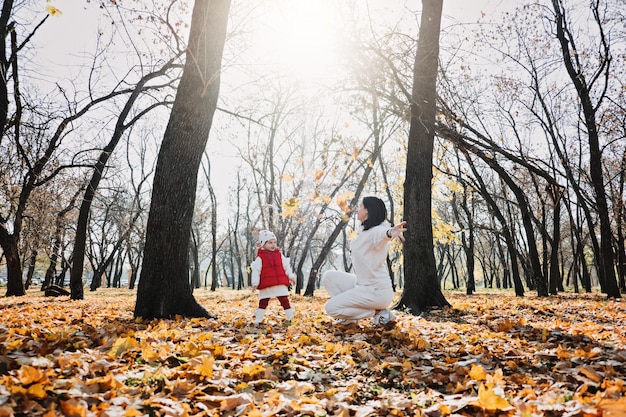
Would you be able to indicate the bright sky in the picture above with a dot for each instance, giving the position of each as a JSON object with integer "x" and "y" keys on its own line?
{"x": 298, "y": 37}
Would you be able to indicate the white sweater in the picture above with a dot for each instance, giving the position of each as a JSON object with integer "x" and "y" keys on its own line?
{"x": 369, "y": 257}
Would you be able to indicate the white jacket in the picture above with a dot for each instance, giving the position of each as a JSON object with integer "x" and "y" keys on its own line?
{"x": 369, "y": 257}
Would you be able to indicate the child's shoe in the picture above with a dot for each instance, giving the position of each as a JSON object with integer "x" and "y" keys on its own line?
{"x": 258, "y": 316}
{"x": 289, "y": 313}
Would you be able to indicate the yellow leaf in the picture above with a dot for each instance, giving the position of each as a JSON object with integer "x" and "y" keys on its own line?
{"x": 355, "y": 154}
{"x": 53, "y": 11}
{"x": 489, "y": 400}
{"x": 319, "y": 174}
{"x": 206, "y": 367}
{"x": 496, "y": 379}
{"x": 152, "y": 353}
{"x": 132, "y": 412}
{"x": 477, "y": 373}
{"x": 37, "y": 392}
{"x": 290, "y": 207}
{"x": 251, "y": 371}
{"x": 121, "y": 345}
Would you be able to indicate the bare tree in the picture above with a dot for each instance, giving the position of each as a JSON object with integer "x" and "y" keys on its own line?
{"x": 584, "y": 87}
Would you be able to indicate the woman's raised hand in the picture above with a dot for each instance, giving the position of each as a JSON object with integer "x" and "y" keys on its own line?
{"x": 398, "y": 231}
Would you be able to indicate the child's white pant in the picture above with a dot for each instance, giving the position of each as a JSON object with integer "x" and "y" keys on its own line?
{"x": 351, "y": 302}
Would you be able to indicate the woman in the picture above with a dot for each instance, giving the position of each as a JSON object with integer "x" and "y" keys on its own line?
{"x": 368, "y": 292}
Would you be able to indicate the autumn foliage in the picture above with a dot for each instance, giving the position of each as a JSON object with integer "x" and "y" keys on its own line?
{"x": 491, "y": 354}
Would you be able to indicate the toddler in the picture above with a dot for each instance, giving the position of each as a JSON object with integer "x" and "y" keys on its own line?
{"x": 271, "y": 275}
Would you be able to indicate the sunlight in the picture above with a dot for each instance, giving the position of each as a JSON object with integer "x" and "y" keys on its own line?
{"x": 299, "y": 37}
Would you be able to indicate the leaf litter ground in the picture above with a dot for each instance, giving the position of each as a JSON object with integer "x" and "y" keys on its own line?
{"x": 489, "y": 355}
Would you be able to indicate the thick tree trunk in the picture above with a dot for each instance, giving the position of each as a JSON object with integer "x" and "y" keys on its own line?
{"x": 421, "y": 288}
{"x": 15, "y": 283}
{"x": 164, "y": 289}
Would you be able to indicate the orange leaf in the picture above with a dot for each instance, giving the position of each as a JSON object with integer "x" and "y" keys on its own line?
{"x": 29, "y": 374}
{"x": 37, "y": 392}
{"x": 590, "y": 373}
{"x": 132, "y": 412}
{"x": 73, "y": 408}
{"x": 613, "y": 408}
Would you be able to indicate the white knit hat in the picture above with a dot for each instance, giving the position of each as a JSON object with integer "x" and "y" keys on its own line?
{"x": 265, "y": 235}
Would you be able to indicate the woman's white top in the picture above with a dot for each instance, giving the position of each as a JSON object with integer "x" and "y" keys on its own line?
{"x": 369, "y": 257}
{"x": 276, "y": 290}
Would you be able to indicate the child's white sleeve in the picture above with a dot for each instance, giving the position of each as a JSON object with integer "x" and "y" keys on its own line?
{"x": 287, "y": 267}
{"x": 255, "y": 275}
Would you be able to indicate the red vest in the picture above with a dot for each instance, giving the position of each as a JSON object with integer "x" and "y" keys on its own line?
{"x": 272, "y": 270}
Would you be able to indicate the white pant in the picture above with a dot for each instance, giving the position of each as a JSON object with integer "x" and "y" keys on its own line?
{"x": 351, "y": 302}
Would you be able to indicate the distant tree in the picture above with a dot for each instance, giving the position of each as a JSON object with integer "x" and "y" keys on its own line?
{"x": 421, "y": 287}
{"x": 33, "y": 149}
{"x": 164, "y": 289}
{"x": 124, "y": 121}
{"x": 585, "y": 85}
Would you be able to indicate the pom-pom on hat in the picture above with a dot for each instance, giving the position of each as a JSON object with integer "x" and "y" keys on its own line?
{"x": 265, "y": 235}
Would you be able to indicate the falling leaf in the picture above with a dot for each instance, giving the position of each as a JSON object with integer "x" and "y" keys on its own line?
{"x": 290, "y": 207}
{"x": 53, "y": 11}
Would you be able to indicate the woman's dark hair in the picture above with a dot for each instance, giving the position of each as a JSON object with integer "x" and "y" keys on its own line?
{"x": 376, "y": 212}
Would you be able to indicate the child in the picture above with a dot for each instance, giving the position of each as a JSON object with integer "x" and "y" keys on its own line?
{"x": 271, "y": 275}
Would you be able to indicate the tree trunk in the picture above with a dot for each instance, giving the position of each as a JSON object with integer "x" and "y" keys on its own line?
{"x": 621, "y": 218}
{"x": 15, "y": 283}
{"x": 555, "y": 278}
{"x": 421, "y": 288}
{"x": 164, "y": 289}
{"x": 31, "y": 270}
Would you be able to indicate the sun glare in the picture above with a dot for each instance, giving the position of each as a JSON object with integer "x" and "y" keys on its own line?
{"x": 300, "y": 38}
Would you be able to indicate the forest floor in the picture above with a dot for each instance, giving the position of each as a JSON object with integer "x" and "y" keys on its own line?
{"x": 489, "y": 355}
